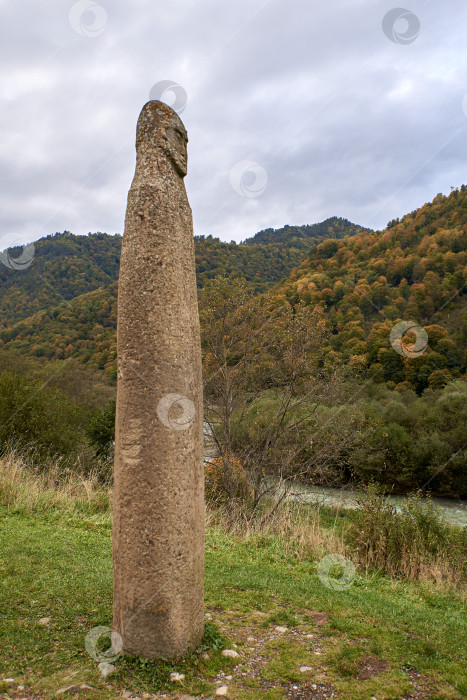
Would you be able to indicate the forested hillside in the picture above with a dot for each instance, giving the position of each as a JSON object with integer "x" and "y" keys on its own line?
{"x": 84, "y": 328}
{"x": 335, "y": 227}
{"x": 415, "y": 271}
{"x": 262, "y": 264}
{"x": 65, "y": 265}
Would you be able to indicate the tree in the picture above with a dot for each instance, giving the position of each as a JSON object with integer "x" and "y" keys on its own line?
{"x": 101, "y": 430}
{"x": 267, "y": 388}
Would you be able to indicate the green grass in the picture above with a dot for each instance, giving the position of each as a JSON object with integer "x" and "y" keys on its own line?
{"x": 60, "y": 566}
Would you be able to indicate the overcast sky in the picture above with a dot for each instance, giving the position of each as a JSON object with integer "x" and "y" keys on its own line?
{"x": 296, "y": 110}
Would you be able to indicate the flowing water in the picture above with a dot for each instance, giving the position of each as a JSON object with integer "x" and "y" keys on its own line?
{"x": 453, "y": 510}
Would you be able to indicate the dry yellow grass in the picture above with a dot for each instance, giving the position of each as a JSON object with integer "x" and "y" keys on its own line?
{"x": 379, "y": 543}
{"x": 296, "y": 526}
{"x": 25, "y": 488}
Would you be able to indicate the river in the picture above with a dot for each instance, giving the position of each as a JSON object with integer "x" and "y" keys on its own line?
{"x": 453, "y": 510}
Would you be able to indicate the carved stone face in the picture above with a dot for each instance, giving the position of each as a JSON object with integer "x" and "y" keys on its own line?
{"x": 160, "y": 128}
{"x": 175, "y": 146}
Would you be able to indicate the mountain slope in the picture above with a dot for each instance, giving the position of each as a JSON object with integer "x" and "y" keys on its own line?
{"x": 83, "y": 328}
{"x": 66, "y": 266}
{"x": 335, "y": 227}
{"x": 415, "y": 271}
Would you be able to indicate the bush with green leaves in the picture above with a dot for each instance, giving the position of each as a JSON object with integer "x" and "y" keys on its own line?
{"x": 415, "y": 442}
{"x": 411, "y": 541}
{"x": 101, "y": 430}
{"x": 37, "y": 416}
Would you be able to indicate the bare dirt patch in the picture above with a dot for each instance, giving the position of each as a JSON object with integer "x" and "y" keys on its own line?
{"x": 319, "y": 618}
{"x": 423, "y": 687}
{"x": 253, "y": 639}
{"x": 309, "y": 692}
{"x": 371, "y": 667}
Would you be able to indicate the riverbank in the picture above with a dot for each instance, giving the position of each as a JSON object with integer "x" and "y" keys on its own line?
{"x": 454, "y": 511}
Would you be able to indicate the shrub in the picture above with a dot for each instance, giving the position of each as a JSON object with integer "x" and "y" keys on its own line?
{"x": 101, "y": 430}
{"x": 33, "y": 414}
{"x": 412, "y": 542}
{"x": 225, "y": 479}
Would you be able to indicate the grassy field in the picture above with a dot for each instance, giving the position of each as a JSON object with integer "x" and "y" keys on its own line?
{"x": 378, "y": 638}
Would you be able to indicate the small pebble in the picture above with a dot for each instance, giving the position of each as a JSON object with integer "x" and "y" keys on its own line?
{"x": 176, "y": 676}
{"x": 250, "y": 639}
{"x": 230, "y": 652}
{"x": 222, "y": 690}
{"x": 304, "y": 669}
{"x": 44, "y": 620}
{"x": 205, "y": 655}
{"x": 208, "y": 615}
{"x": 310, "y": 636}
{"x": 8, "y": 680}
{"x": 20, "y": 687}
{"x": 228, "y": 678}
{"x": 318, "y": 653}
{"x": 281, "y": 629}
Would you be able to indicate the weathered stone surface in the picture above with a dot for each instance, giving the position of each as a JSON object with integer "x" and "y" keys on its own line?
{"x": 174, "y": 677}
{"x": 230, "y": 653}
{"x": 158, "y": 532}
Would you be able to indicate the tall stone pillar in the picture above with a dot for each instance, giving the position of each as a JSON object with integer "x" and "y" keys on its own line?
{"x": 158, "y": 526}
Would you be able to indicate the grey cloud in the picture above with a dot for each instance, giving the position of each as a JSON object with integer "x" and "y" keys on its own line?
{"x": 344, "y": 121}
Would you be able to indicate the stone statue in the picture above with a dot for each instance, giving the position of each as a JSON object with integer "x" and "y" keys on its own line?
{"x": 158, "y": 526}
